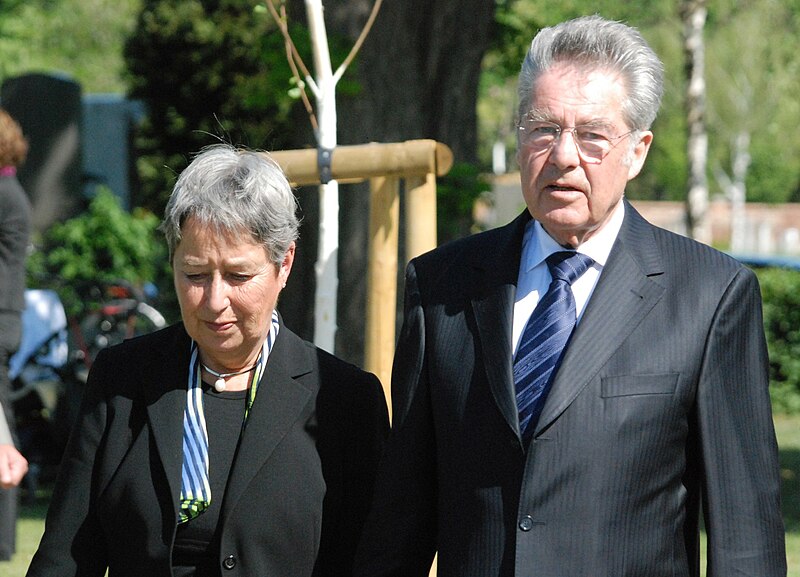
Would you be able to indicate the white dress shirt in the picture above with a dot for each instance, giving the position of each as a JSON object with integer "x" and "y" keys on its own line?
{"x": 534, "y": 276}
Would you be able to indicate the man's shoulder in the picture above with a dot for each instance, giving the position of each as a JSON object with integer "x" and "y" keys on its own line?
{"x": 477, "y": 246}
{"x": 683, "y": 251}
{"x": 692, "y": 268}
{"x": 677, "y": 251}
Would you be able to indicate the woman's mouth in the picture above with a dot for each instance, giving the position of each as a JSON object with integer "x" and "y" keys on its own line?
{"x": 219, "y": 326}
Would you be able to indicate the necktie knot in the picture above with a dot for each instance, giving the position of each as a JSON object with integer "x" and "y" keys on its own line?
{"x": 568, "y": 265}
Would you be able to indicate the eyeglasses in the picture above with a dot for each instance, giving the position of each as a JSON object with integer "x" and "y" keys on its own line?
{"x": 593, "y": 141}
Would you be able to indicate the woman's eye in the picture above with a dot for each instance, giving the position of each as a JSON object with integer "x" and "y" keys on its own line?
{"x": 240, "y": 277}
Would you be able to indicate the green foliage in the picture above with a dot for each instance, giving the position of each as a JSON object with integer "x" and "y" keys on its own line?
{"x": 80, "y": 38}
{"x": 750, "y": 88}
{"x": 780, "y": 290}
{"x": 207, "y": 71}
{"x": 456, "y": 194}
{"x": 664, "y": 175}
{"x": 750, "y": 93}
{"x": 105, "y": 243}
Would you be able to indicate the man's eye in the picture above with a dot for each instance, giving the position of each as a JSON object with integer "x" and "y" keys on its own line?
{"x": 591, "y": 135}
{"x": 542, "y": 131}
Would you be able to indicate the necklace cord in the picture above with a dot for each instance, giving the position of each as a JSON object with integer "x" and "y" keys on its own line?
{"x": 226, "y": 375}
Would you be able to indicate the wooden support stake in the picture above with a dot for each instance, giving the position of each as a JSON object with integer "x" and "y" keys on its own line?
{"x": 356, "y": 163}
{"x": 420, "y": 217}
{"x": 382, "y": 279}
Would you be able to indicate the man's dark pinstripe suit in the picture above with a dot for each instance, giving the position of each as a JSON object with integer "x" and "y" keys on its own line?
{"x": 659, "y": 410}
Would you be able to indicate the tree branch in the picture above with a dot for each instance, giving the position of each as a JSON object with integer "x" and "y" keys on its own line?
{"x": 357, "y": 46}
{"x": 295, "y": 60}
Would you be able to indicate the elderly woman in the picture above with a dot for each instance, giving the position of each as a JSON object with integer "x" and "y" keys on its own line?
{"x": 223, "y": 445}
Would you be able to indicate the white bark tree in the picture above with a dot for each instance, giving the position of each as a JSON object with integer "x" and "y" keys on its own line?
{"x": 693, "y": 13}
{"x": 754, "y": 82}
{"x": 328, "y": 247}
{"x": 323, "y": 87}
{"x": 415, "y": 78}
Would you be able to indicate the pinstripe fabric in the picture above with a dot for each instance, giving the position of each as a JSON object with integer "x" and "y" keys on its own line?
{"x": 660, "y": 403}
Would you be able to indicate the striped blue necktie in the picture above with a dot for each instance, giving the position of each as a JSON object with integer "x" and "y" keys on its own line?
{"x": 545, "y": 338}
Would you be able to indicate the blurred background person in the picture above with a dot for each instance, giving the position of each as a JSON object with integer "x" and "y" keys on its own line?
{"x": 15, "y": 227}
{"x": 225, "y": 441}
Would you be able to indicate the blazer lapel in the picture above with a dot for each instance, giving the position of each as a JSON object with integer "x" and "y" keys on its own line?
{"x": 495, "y": 284}
{"x": 164, "y": 385}
{"x": 626, "y": 292}
{"x": 281, "y": 399}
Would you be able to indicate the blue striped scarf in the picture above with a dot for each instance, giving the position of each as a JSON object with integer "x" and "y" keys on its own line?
{"x": 195, "y": 489}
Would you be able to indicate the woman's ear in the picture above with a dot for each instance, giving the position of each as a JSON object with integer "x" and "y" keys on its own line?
{"x": 286, "y": 265}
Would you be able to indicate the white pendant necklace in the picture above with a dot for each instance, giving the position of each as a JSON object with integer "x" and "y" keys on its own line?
{"x": 219, "y": 384}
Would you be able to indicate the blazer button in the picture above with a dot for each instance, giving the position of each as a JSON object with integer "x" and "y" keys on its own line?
{"x": 229, "y": 562}
{"x": 526, "y": 523}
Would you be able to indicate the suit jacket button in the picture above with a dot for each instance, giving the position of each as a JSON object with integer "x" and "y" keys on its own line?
{"x": 229, "y": 562}
{"x": 526, "y": 523}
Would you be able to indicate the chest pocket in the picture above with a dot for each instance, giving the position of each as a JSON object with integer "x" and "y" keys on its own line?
{"x": 636, "y": 385}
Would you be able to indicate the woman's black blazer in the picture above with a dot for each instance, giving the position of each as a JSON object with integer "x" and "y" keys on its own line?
{"x": 299, "y": 488}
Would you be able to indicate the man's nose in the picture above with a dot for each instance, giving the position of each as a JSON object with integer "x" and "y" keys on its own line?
{"x": 565, "y": 151}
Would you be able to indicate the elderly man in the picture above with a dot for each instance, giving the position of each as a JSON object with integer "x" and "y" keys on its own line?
{"x": 571, "y": 390}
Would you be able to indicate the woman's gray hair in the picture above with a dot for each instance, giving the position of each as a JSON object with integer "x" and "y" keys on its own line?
{"x": 234, "y": 191}
{"x": 593, "y": 42}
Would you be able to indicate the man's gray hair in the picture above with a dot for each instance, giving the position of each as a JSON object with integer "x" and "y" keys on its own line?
{"x": 592, "y": 42}
{"x": 234, "y": 191}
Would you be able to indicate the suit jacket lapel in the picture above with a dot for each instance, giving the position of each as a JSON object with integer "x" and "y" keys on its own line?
{"x": 627, "y": 290}
{"x": 164, "y": 384}
{"x": 281, "y": 399}
{"x": 494, "y": 288}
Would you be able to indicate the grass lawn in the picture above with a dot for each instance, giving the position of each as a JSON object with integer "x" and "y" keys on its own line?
{"x": 31, "y": 522}
{"x": 788, "y": 431}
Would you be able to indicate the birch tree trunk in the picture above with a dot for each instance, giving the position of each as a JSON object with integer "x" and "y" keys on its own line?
{"x": 417, "y": 77}
{"x": 326, "y": 268}
{"x": 738, "y": 191}
{"x": 694, "y": 14}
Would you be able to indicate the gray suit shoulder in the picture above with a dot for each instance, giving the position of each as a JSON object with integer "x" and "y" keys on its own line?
{"x": 684, "y": 251}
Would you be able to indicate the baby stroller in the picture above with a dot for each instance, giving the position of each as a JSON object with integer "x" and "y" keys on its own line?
{"x": 38, "y": 386}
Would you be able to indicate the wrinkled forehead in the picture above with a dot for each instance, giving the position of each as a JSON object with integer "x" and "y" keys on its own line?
{"x": 578, "y": 95}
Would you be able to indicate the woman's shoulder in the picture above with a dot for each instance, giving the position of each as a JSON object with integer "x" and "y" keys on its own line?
{"x": 334, "y": 372}
{"x": 171, "y": 336}
{"x": 327, "y": 363}
{"x": 153, "y": 349}
{"x": 346, "y": 395}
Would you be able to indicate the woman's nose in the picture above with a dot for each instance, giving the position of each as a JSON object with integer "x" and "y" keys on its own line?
{"x": 217, "y": 295}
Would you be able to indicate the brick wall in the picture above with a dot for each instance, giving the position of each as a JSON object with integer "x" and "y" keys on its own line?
{"x": 764, "y": 229}
{"x": 767, "y": 229}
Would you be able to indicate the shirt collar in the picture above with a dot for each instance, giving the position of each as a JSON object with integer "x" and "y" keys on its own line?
{"x": 537, "y": 245}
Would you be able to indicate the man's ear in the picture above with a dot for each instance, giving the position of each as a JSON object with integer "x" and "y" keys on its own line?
{"x": 639, "y": 153}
